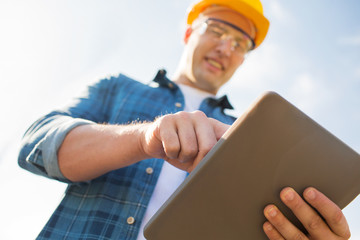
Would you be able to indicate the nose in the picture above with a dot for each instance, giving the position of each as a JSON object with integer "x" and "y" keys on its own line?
{"x": 225, "y": 46}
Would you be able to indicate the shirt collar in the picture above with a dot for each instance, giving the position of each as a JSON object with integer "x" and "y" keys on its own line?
{"x": 221, "y": 101}
{"x": 163, "y": 81}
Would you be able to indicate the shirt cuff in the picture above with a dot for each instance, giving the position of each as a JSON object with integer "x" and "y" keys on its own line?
{"x": 44, "y": 155}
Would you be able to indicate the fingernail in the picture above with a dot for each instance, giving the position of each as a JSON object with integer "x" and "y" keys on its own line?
{"x": 272, "y": 212}
{"x": 311, "y": 194}
{"x": 269, "y": 227}
{"x": 289, "y": 194}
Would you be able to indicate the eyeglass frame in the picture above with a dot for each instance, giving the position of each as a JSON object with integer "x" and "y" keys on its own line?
{"x": 234, "y": 27}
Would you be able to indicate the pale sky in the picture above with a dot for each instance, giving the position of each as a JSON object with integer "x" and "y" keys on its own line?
{"x": 51, "y": 49}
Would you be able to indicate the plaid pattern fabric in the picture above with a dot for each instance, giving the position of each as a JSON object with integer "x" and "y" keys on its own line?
{"x": 111, "y": 206}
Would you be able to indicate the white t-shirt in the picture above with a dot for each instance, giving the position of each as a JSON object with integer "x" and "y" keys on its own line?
{"x": 171, "y": 177}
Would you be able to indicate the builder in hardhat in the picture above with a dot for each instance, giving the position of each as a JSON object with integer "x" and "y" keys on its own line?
{"x": 116, "y": 177}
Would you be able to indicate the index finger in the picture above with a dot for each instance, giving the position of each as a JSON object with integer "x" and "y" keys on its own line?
{"x": 219, "y": 127}
{"x": 205, "y": 132}
{"x": 329, "y": 210}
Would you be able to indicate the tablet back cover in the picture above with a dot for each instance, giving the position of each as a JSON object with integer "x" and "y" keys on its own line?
{"x": 273, "y": 145}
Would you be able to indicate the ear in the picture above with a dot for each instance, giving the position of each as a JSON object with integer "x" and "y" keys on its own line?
{"x": 187, "y": 34}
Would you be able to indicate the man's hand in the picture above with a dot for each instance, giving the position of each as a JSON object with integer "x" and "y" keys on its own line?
{"x": 182, "y": 139}
{"x": 334, "y": 227}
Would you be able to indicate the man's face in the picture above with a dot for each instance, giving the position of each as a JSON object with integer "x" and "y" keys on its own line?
{"x": 212, "y": 61}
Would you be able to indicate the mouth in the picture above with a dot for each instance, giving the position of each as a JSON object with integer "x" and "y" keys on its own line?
{"x": 214, "y": 63}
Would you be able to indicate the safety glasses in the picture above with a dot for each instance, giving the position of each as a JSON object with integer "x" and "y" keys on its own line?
{"x": 219, "y": 31}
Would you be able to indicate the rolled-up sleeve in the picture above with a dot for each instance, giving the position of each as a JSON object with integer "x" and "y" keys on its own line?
{"x": 41, "y": 142}
{"x": 43, "y": 155}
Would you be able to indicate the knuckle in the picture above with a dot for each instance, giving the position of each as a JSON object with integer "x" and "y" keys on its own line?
{"x": 279, "y": 222}
{"x": 164, "y": 119}
{"x": 299, "y": 236}
{"x": 182, "y": 115}
{"x": 315, "y": 223}
{"x": 338, "y": 217}
{"x": 189, "y": 151}
{"x": 199, "y": 114}
{"x": 347, "y": 234}
{"x": 297, "y": 205}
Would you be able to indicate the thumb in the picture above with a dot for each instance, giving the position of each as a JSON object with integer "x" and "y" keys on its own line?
{"x": 219, "y": 127}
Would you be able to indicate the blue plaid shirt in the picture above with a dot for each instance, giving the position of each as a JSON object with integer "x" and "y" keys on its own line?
{"x": 111, "y": 206}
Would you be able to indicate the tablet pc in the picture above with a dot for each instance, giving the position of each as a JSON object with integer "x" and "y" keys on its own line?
{"x": 271, "y": 146}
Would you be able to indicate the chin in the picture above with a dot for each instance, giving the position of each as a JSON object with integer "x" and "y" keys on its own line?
{"x": 209, "y": 87}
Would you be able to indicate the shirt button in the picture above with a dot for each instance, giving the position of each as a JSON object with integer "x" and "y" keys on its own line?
{"x": 178, "y": 105}
{"x": 149, "y": 170}
{"x": 130, "y": 220}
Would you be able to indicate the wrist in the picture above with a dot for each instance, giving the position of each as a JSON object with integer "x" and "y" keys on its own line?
{"x": 142, "y": 130}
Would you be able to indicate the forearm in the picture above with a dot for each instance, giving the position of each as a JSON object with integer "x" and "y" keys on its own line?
{"x": 90, "y": 151}
{"x": 182, "y": 139}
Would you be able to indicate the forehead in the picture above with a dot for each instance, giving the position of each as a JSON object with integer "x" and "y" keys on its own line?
{"x": 231, "y": 16}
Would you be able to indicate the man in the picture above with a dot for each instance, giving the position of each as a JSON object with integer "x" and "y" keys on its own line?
{"x": 111, "y": 143}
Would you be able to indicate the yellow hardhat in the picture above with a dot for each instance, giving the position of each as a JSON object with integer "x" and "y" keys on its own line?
{"x": 251, "y": 9}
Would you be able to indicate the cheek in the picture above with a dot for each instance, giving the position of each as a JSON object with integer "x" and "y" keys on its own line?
{"x": 236, "y": 61}
{"x": 239, "y": 59}
{"x": 201, "y": 45}
{"x": 199, "y": 51}
{"x": 234, "y": 65}
{"x": 193, "y": 49}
